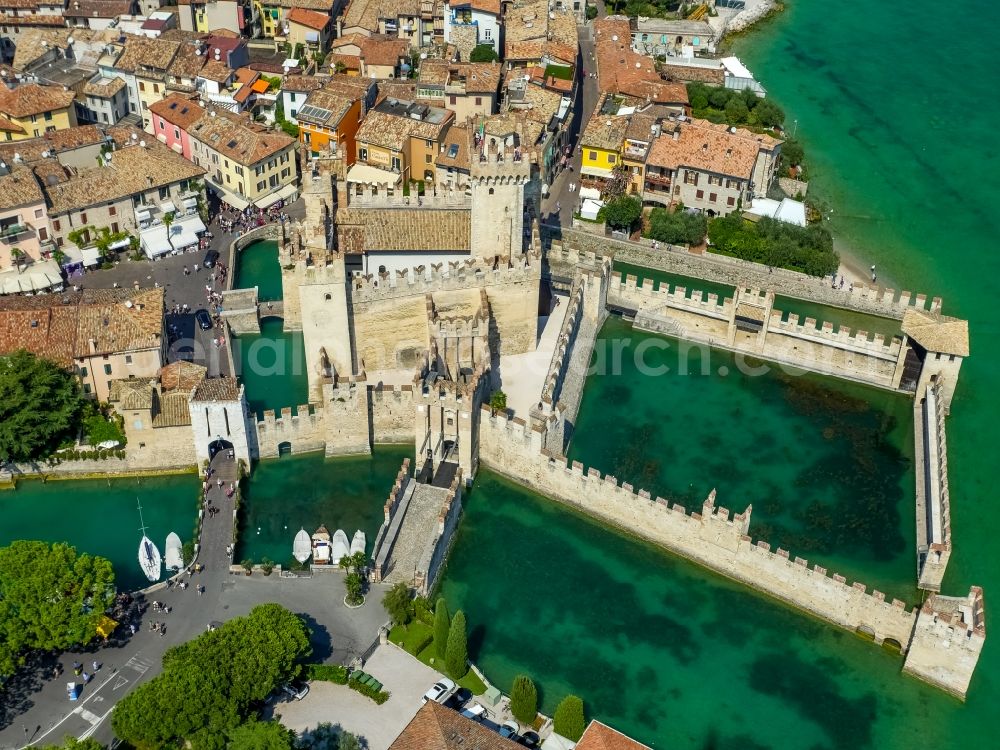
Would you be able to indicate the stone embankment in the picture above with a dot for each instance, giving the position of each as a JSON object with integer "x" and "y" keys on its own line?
{"x": 754, "y": 13}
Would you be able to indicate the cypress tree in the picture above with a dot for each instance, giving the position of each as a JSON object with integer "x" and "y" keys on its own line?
{"x": 456, "y": 654}
{"x": 524, "y": 699}
{"x": 442, "y": 622}
{"x": 569, "y": 720}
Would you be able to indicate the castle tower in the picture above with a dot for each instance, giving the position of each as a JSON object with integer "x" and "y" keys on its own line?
{"x": 220, "y": 419}
{"x": 500, "y": 175}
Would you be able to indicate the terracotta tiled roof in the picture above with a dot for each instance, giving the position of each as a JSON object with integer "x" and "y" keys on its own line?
{"x": 336, "y": 104}
{"x": 215, "y": 70}
{"x": 20, "y": 4}
{"x": 349, "y": 62}
{"x": 705, "y": 146}
{"x": 238, "y": 139}
{"x": 31, "y": 99}
{"x": 217, "y": 389}
{"x": 178, "y": 110}
{"x": 408, "y": 229}
{"x": 19, "y": 188}
{"x": 438, "y": 728}
{"x": 40, "y": 19}
{"x": 618, "y": 67}
{"x": 119, "y": 320}
{"x": 433, "y": 72}
{"x": 181, "y": 376}
{"x": 600, "y": 736}
{"x": 486, "y": 6}
{"x": 531, "y": 32}
{"x": 397, "y": 89}
{"x": 143, "y": 52}
{"x": 309, "y": 18}
{"x": 133, "y": 393}
{"x": 9, "y": 127}
{"x": 390, "y": 124}
{"x": 172, "y": 410}
{"x": 366, "y": 13}
{"x": 31, "y": 149}
{"x": 97, "y": 8}
{"x": 480, "y": 78}
{"x": 936, "y": 332}
{"x": 131, "y": 170}
{"x": 461, "y": 138}
{"x": 187, "y": 62}
{"x": 605, "y": 132}
{"x": 44, "y": 325}
{"x": 379, "y": 50}
{"x": 301, "y": 83}
{"x": 539, "y": 104}
{"x": 104, "y": 88}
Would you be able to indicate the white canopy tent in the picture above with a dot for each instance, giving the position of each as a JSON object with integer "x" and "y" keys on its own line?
{"x": 283, "y": 194}
{"x": 38, "y": 277}
{"x": 184, "y": 231}
{"x": 155, "y": 241}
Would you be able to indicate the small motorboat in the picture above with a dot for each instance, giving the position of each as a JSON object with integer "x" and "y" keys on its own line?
{"x": 172, "y": 555}
{"x": 149, "y": 556}
{"x": 302, "y": 546}
{"x": 321, "y": 546}
{"x": 340, "y": 547}
{"x": 359, "y": 542}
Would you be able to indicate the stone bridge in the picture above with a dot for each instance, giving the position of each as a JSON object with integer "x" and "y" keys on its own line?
{"x": 271, "y": 309}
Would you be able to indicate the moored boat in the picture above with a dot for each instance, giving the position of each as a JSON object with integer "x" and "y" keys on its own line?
{"x": 340, "y": 547}
{"x": 302, "y": 546}
{"x": 172, "y": 555}
{"x": 149, "y": 555}
{"x": 359, "y": 542}
{"x": 321, "y": 546}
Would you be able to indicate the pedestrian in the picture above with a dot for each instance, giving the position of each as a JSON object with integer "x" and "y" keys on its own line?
{"x": 219, "y": 482}
{"x": 131, "y": 627}
{"x": 196, "y": 268}
{"x": 96, "y": 666}
{"x": 86, "y": 678}
{"x": 77, "y": 668}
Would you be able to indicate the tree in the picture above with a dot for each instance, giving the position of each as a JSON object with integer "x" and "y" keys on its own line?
{"x": 327, "y": 736}
{"x": 17, "y": 255}
{"x": 768, "y": 114}
{"x": 168, "y": 219}
{"x": 792, "y": 152}
{"x": 622, "y": 212}
{"x": 50, "y": 598}
{"x": 211, "y": 684}
{"x": 442, "y": 623}
{"x": 456, "y": 652}
{"x": 261, "y": 735}
{"x": 677, "y": 227}
{"x": 498, "y": 401}
{"x": 72, "y": 743}
{"x": 737, "y": 111}
{"x": 398, "y": 602}
{"x": 483, "y": 53}
{"x": 569, "y": 719}
{"x": 524, "y": 699}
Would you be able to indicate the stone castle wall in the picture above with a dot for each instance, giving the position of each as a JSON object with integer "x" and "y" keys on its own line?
{"x": 712, "y": 537}
{"x": 574, "y": 247}
{"x": 304, "y": 428}
{"x": 391, "y": 414}
{"x": 933, "y": 498}
{"x": 432, "y": 561}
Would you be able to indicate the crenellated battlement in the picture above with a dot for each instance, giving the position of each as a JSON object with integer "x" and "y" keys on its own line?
{"x": 468, "y": 274}
{"x": 368, "y": 195}
{"x": 842, "y": 337}
{"x": 396, "y": 493}
{"x": 655, "y": 294}
{"x": 564, "y": 346}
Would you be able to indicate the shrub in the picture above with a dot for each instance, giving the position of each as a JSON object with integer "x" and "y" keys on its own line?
{"x": 524, "y": 699}
{"x": 379, "y": 696}
{"x": 442, "y": 623}
{"x": 483, "y": 53}
{"x": 456, "y": 652}
{"x": 621, "y": 213}
{"x": 398, "y": 603}
{"x": 677, "y": 227}
{"x": 267, "y": 565}
{"x": 422, "y": 610}
{"x": 569, "y": 719}
{"x": 327, "y": 673}
{"x": 187, "y": 552}
{"x": 805, "y": 249}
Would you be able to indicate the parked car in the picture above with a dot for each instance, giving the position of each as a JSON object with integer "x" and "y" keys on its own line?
{"x": 509, "y": 730}
{"x": 204, "y": 319}
{"x": 295, "y": 690}
{"x": 211, "y": 257}
{"x": 530, "y": 739}
{"x": 441, "y": 691}
{"x": 474, "y": 711}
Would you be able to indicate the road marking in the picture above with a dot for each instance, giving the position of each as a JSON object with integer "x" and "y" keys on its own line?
{"x": 90, "y": 717}
{"x": 120, "y": 683}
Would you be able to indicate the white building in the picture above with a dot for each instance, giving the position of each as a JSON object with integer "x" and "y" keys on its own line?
{"x": 480, "y": 16}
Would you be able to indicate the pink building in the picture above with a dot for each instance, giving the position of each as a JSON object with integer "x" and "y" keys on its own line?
{"x": 171, "y": 118}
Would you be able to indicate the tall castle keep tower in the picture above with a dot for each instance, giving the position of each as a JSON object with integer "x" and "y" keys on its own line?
{"x": 500, "y": 174}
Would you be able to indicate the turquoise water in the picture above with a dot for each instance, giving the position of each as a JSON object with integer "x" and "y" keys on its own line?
{"x": 272, "y": 365}
{"x": 295, "y": 492}
{"x": 100, "y": 516}
{"x": 257, "y": 265}
{"x": 826, "y": 465}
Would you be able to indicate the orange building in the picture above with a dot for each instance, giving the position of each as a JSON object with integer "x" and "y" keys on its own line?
{"x": 330, "y": 117}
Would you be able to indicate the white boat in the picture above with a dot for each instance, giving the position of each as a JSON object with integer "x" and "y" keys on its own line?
{"x": 321, "y": 546}
{"x": 172, "y": 555}
{"x": 302, "y": 546}
{"x": 149, "y": 556}
{"x": 340, "y": 547}
{"x": 359, "y": 542}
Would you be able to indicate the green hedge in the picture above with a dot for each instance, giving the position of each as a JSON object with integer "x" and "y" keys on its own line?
{"x": 327, "y": 673}
{"x": 379, "y": 696}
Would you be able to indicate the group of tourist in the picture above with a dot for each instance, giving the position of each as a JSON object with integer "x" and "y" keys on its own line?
{"x": 238, "y": 223}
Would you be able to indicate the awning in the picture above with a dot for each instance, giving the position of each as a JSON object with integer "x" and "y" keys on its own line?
{"x": 232, "y": 199}
{"x": 190, "y": 203}
{"x": 91, "y": 256}
{"x": 40, "y": 275}
{"x": 155, "y": 241}
{"x": 184, "y": 232}
{"x": 120, "y": 244}
{"x": 142, "y": 214}
{"x": 282, "y": 194}
{"x": 167, "y": 206}
{"x": 368, "y": 174}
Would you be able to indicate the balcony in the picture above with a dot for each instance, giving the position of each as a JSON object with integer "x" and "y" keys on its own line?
{"x": 635, "y": 151}
{"x": 15, "y": 232}
{"x": 654, "y": 179}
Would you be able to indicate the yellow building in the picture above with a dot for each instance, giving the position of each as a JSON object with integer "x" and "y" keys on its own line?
{"x": 245, "y": 162}
{"x": 601, "y": 148}
{"x": 332, "y": 115}
{"x": 30, "y": 110}
{"x": 273, "y": 13}
{"x": 399, "y": 139}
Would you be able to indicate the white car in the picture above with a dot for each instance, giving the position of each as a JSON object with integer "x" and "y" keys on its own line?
{"x": 441, "y": 691}
{"x": 474, "y": 711}
{"x": 295, "y": 691}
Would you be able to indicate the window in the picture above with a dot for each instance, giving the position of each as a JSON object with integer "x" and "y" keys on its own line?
{"x": 56, "y": 225}
{"x": 156, "y": 89}
{"x": 291, "y": 97}
{"x": 452, "y": 99}
{"x": 83, "y": 217}
{"x": 479, "y": 100}
{"x": 83, "y": 372}
{"x": 43, "y": 234}
{"x": 612, "y": 158}
{"x": 714, "y": 180}
{"x": 691, "y": 178}
{"x": 38, "y": 213}
{"x": 114, "y": 227}
{"x": 489, "y": 35}
{"x": 712, "y": 197}
{"x": 86, "y": 388}
{"x": 177, "y": 133}
{"x": 394, "y": 163}
{"x": 700, "y": 194}
{"x": 128, "y": 359}
{"x": 592, "y": 155}
{"x": 107, "y": 369}
{"x": 261, "y": 185}
{"x": 164, "y": 193}
{"x": 48, "y": 117}
{"x": 142, "y": 86}
{"x": 112, "y": 210}
{"x": 239, "y": 171}
{"x": 730, "y": 201}
{"x": 428, "y": 158}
